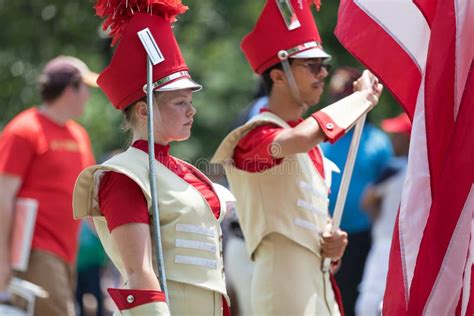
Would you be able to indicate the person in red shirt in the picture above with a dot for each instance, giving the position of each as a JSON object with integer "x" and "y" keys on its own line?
{"x": 278, "y": 173}
{"x": 118, "y": 196}
{"x": 42, "y": 151}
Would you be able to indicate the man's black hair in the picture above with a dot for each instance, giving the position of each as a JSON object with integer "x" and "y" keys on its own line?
{"x": 267, "y": 80}
{"x": 52, "y": 85}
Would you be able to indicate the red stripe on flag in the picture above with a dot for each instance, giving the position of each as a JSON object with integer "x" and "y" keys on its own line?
{"x": 394, "y": 298}
{"x": 468, "y": 102}
{"x": 427, "y": 8}
{"x": 459, "y": 306}
{"x": 469, "y": 308}
{"x": 439, "y": 109}
{"x": 457, "y": 174}
{"x": 444, "y": 215}
{"x": 449, "y": 144}
{"x": 439, "y": 88}
{"x": 356, "y": 31}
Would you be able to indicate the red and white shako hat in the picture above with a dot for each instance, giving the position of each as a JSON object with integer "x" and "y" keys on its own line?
{"x": 283, "y": 25}
{"x": 124, "y": 79}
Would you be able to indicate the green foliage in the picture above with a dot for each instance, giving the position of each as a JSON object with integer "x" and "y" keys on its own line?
{"x": 34, "y": 32}
{"x": 209, "y": 34}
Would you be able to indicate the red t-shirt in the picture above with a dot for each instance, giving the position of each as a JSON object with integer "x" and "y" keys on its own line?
{"x": 48, "y": 157}
{"x": 253, "y": 154}
{"x": 120, "y": 209}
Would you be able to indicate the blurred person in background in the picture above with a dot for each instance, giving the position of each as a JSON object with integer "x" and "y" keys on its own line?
{"x": 42, "y": 151}
{"x": 374, "y": 153}
{"x": 381, "y": 201}
{"x": 91, "y": 260}
{"x": 277, "y": 171}
{"x": 117, "y": 194}
{"x": 259, "y": 102}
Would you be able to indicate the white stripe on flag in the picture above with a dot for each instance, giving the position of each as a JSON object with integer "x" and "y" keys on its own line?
{"x": 466, "y": 293}
{"x": 413, "y": 34}
{"x": 416, "y": 194}
{"x": 464, "y": 47}
{"x": 445, "y": 294}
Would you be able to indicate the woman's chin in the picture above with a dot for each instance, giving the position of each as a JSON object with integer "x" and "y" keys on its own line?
{"x": 183, "y": 137}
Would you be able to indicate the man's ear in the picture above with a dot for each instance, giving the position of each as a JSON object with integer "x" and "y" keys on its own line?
{"x": 141, "y": 110}
{"x": 69, "y": 90}
{"x": 278, "y": 76}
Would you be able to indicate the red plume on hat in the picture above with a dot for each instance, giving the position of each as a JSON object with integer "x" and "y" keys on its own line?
{"x": 317, "y": 3}
{"x": 118, "y": 13}
{"x": 124, "y": 79}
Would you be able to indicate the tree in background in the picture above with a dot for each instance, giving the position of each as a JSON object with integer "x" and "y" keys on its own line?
{"x": 210, "y": 35}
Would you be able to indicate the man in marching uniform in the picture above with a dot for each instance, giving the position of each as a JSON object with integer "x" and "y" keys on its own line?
{"x": 118, "y": 194}
{"x": 278, "y": 173}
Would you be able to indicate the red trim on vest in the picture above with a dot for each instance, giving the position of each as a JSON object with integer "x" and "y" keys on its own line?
{"x": 225, "y": 307}
{"x": 337, "y": 293}
{"x": 334, "y": 132}
{"x": 140, "y": 297}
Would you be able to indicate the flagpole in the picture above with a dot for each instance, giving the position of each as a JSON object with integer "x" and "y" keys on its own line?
{"x": 346, "y": 178}
{"x": 153, "y": 59}
{"x": 153, "y": 186}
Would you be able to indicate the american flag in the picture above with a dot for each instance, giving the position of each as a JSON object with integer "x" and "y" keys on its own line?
{"x": 423, "y": 51}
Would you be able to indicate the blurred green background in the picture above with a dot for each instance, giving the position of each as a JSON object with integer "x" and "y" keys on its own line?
{"x": 209, "y": 35}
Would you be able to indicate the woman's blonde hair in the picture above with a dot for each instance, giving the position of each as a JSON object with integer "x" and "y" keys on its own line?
{"x": 130, "y": 119}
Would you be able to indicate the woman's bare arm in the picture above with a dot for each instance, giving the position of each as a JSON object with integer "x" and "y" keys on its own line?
{"x": 133, "y": 242}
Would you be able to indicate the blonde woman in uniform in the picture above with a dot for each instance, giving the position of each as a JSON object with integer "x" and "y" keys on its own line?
{"x": 117, "y": 193}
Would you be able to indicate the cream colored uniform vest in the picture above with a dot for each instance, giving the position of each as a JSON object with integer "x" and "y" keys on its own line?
{"x": 191, "y": 235}
{"x": 290, "y": 199}
{"x": 282, "y": 212}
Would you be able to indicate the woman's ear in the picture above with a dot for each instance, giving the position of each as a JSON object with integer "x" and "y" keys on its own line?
{"x": 141, "y": 110}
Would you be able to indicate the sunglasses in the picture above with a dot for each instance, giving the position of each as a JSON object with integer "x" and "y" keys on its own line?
{"x": 315, "y": 68}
